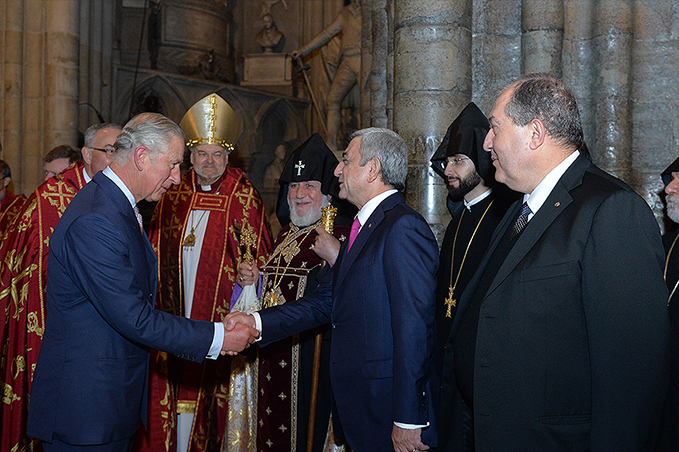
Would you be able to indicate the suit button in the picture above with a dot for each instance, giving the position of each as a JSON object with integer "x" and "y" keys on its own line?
{"x": 333, "y": 325}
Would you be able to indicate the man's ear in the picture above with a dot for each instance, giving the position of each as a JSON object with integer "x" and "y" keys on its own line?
{"x": 141, "y": 157}
{"x": 374, "y": 169}
{"x": 6, "y": 181}
{"x": 538, "y": 133}
{"x": 87, "y": 155}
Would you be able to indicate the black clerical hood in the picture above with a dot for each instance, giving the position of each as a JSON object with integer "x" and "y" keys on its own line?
{"x": 465, "y": 136}
{"x": 312, "y": 160}
{"x": 667, "y": 174}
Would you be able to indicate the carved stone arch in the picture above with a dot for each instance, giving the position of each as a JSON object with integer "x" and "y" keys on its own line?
{"x": 155, "y": 89}
{"x": 242, "y": 156}
{"x": 277, "y": 123}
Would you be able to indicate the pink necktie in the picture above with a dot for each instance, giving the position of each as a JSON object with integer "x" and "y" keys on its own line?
{"x": 355, "y": 226}
{"x": 139, "y": 219}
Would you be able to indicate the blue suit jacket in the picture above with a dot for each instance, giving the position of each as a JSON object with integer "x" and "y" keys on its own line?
{"x": 380, "y": 301}
{"x": 90, "y": 382}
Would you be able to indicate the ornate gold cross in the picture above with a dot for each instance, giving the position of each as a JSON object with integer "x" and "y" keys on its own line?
{"x": 248, "y": 239}
{"x": 450, "y": 303}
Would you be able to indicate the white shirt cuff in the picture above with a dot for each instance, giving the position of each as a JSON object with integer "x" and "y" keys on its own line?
{"x": 217, "y": 341}
{"x": 409, "y": 426}
{"x": 258, "y": 325}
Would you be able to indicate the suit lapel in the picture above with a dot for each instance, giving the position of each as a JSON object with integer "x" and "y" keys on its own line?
{"x": 555, "y": 203}
{"x": 367, "y": 230}
{"x": 123, "y": 206}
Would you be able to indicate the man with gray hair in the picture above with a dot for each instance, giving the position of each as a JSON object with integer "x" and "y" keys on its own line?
{"x": 560, "y": 341}
{"x": 90, "y": 385}
{"x": 24, "y": 247}
{"x": 98, "y": 149}
{"x": 379, "y": 298}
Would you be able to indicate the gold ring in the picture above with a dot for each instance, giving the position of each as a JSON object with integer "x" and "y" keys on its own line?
{"x": 240, "y": 278}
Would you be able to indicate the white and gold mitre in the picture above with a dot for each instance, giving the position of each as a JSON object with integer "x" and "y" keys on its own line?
{"x": 211, "y": 121}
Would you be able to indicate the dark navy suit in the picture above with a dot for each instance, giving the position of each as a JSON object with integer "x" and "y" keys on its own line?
{"x": 380, "y": 301}
{"x": 90, "y": 383}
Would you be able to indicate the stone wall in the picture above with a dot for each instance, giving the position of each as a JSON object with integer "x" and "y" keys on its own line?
{"x": 619, "y": 57}
{"x": 62, "y": 61}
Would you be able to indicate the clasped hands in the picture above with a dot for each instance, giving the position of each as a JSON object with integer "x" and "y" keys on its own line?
{"x": 239, "y": 333}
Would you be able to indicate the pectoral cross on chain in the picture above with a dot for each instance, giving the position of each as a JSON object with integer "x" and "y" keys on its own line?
{"x": 299, "y": 167}
{"x": 450, "y": 302}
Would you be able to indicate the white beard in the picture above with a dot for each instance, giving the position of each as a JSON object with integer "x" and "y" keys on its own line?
{"x": 309, "y": 218}
{"x": 673, "y": 207}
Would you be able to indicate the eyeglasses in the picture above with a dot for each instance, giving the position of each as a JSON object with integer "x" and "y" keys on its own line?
{"x": 456, "y": 160}
{"x": 108, "y": 152}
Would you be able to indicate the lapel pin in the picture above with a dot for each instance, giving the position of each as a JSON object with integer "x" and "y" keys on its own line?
{"x": 557, "y": 204}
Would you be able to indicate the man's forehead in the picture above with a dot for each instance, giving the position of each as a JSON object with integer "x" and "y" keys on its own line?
{"x": 208, "y": 148}
{"x": 108, "y": 134}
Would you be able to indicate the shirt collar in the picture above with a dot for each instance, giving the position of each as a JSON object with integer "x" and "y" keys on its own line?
{"x": 108, "y": 172}
{"x": 478, "y": 199}
{"x": 371, "y": 205}
{"x": 540, "y": 194}
{"x": 86, "y": 176}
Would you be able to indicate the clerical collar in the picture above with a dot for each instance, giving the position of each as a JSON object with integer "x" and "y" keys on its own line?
{"x": 539, "y": 195}
{"x": 108, "y": 172}
{"x": 477, "y": 200}
{"x": 214, "y": 187}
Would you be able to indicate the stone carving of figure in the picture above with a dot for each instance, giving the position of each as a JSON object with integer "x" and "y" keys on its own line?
{"x": 268, "y": 4}
{"x": 269, "y": 36}
{"x": 208, "y": 66}
{"x": 275, "y": 168}
{"x": 348, "y": 26}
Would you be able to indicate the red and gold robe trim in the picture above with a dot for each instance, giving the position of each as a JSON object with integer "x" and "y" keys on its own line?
{"x": 23, "y": 267}
{"x": 175, "y": 382}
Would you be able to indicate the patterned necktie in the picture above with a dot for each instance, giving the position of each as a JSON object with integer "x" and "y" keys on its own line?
{"x": 139, "y": 220}
{"x": 355, "y": 226}
{"x": 522, "y": 221}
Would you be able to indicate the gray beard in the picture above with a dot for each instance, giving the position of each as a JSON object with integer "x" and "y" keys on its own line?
{"x": 311, "y": 217}
{"x": 673, "y": 207}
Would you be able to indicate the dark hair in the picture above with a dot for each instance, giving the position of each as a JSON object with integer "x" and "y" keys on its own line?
{"x": 64, "y": 151}
{"x": 5, "y": 171}
{"x": 389, "y": 148}
{"x": 541, "y": 96}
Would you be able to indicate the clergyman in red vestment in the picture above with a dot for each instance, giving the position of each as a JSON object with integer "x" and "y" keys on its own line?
{"x": 196, "y": 232}
{"x": 23, "y": 266}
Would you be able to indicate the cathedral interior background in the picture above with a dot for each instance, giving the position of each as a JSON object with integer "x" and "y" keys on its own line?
{"x": 66, "y": 64}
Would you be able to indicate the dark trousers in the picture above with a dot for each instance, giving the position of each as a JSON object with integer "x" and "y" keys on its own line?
{"x": 124, "y": 445}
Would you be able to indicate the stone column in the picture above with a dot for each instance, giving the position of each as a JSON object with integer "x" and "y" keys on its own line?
{"x": 61, "y": 72}
{"x": 578, "y": 60}
{"x": 374, "y": 61}
{"x": 655, "y": 79}
{"x": 34, "y": 145}
{"x": 613, "y": 40}
{"x": 496, "y": 49}
{"x": 12, "y": 87}
{"x": 95, "y": 58}
{"x": 542, "y": 39}
{"x": 432, "y": 84}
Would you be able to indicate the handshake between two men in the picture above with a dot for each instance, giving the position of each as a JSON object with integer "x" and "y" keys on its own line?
{"x": 239, "y": 333}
